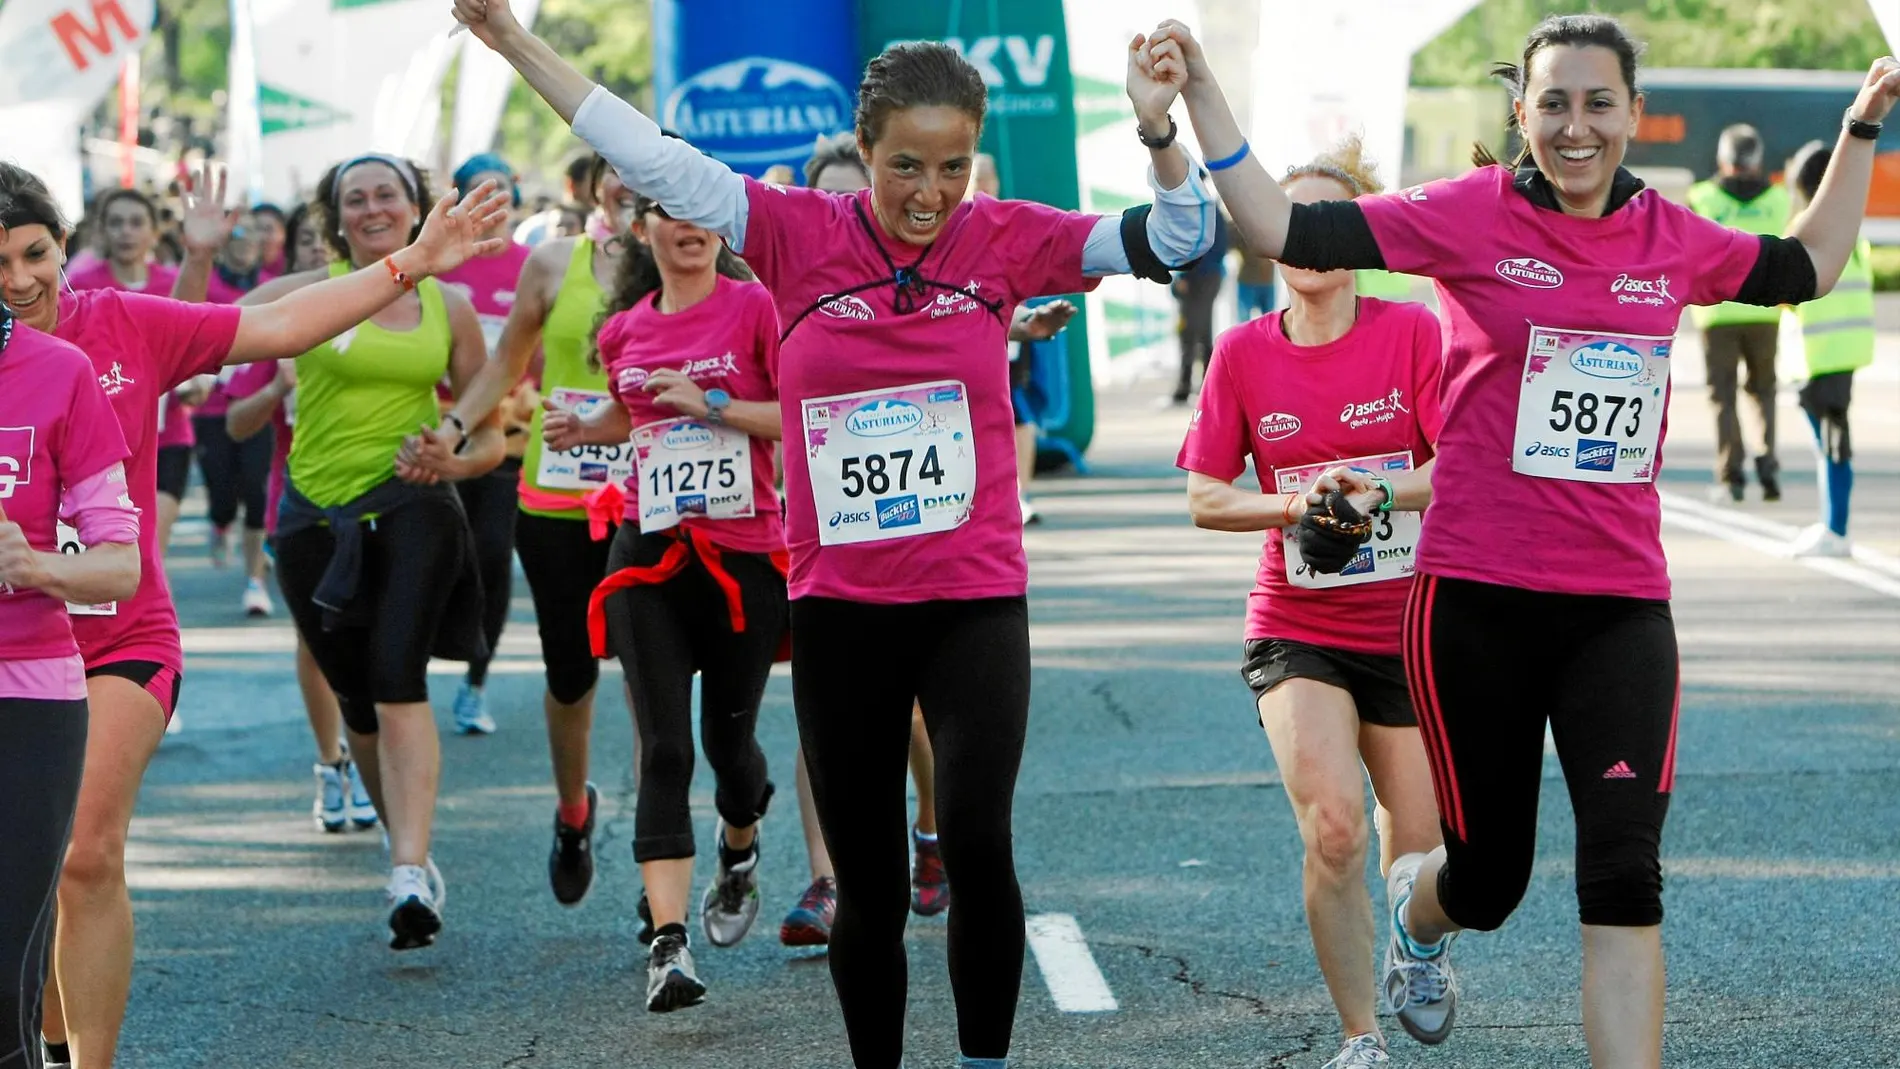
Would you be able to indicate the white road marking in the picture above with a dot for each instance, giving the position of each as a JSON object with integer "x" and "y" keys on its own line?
{"x": 1075, "y": 982}
{"x": 1869, "y": 568}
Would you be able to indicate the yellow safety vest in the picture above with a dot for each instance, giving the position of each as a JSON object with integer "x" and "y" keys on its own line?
{"x": 1837, "y": 331}
{"x": 1766, "y": 214}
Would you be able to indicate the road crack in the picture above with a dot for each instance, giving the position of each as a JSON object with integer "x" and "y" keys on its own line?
{"x": 1184, "y": 975}
{"x": 1122, "y": 714}
{"x": 526, "y": 1056}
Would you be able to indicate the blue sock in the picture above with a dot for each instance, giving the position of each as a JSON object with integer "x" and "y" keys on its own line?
{"x": 964, "y": 1061}
{"x": 1840, "y": 484}
{"x": 1416, "y": 948}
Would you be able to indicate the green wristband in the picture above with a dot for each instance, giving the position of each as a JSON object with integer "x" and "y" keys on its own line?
{"x": 1391, "y": 495}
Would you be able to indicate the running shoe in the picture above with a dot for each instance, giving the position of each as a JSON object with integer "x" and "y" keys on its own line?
{"x": 929, "y": 886}
{"x": 257, "y": 599}
{"x": 731, "y": 902}
{"x": 471, "y": 711}
{"x": 415, "y": 915}
{"x": 1030, "y": 515}
{"x": 1364, "y": 1051}
{"x": 571, "y": 862}
{"x": 1768, "y": 473}
{"x": 175, "y": 725}
{"x": 359, "y": 807}
{"x": 809, "y": 922}
{"x": 220, "y": 546}
{"x": 645, "y": 909}
{"x": 1818, "y": 541}
{"x": 331, "y": 809}
{"x": 1419, "y": 988}
{"x": 671, "y": 982}
{"x": 48, "y": 1058}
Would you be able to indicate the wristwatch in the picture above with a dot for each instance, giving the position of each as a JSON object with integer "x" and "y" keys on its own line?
{"x": 1158, "y": 143}
{"x": 716, "y": 402}
{"x": 1861, "y": 128}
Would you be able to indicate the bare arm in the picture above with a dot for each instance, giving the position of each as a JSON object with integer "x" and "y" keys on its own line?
{"x": 760, "y": 419}
{"x": 487, "y": 440}
{"x": 519, "y": 337}
{"x": 1830, "y": 227}
{"x": 249, "y": 415}
{"x": 194, "y": 278}
{"x": 495, "y": 25}
{"x": 105, "y": 572}
{"x": 1218, "y": 505}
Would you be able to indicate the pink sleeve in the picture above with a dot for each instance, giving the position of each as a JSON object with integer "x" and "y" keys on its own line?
{"x": 1041, "y": 245}
{"x": 1426, "y": 230}
{"x": 1216, "y": 441}
{"x": 782, "y": 224}
{"x": 608, "y": 342}
{"x": 100, "y": 508}
{"x": 766, "y": 328}
{"x": 1428, "y": 370}
{"x": 250, "y": 378}
{"x": 90, "y": 439}
{"x": 185, "y": 339}
{"x": 1720, "y": 256}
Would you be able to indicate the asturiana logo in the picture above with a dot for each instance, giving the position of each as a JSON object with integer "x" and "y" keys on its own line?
{"x": 848, "y": 307}
{"x": 757, "y": 109}
{"x": 881, "y": 419}
{"x": 688, "y": 436}
{"x": 1607, "y": 360}
{"x": 1277, "y": 425}
{"x": 1530, "y": 271}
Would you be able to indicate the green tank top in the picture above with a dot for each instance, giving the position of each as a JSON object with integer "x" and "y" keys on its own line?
{"x": 360, "y": 394}
{"x": 566, "y": 338}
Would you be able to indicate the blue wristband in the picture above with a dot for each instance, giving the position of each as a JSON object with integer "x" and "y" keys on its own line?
{"x": 1228, "y": 161}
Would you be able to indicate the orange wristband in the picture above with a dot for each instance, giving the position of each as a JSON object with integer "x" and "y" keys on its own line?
{"x": 1286, "y": 511}
{"x": 397, "y": 276}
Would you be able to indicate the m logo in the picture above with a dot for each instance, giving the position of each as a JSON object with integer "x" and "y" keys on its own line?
{"x": 75, "y": 36}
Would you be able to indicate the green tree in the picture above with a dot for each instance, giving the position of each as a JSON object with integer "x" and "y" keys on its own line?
{"x": 611, "y": 42}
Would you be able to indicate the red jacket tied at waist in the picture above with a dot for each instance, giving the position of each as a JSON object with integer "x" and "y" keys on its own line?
{"x": 686, "y": 542}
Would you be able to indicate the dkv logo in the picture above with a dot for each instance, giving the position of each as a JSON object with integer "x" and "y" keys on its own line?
{"x": 881, "y": 419}
{"x": 757, "y": 109}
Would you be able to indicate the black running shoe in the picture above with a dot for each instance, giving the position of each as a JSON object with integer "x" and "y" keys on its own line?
{"x": 571, "y": 861}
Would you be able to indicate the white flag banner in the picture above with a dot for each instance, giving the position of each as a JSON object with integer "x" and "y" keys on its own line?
{"x": 244, "y": 148}
{"x": 1888, "y": 15}
{"x": 482, "y": 84}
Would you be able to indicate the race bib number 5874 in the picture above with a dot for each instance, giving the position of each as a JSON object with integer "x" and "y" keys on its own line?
{"x": 889, "y": 464}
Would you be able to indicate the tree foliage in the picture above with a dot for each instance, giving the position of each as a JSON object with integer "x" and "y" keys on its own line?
{"x": 1802, "y": 34}
{"x": 608, "y": 40}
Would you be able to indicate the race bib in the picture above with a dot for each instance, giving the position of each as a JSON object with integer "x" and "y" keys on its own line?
{"x": 689, "y": 467}
{"x": 1591, "y": 406}
{"x": 891, "y": 463}
{"x": 69, "y": 543}
{"x": 1394, "y": 534}
{"x": 584, "y": 467}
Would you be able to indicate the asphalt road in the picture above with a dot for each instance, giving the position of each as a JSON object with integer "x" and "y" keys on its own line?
{"x": 1149, "y": 811}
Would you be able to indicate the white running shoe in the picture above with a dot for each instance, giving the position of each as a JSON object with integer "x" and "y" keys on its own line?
{"x": 1420, "y": 989}
{"x": 175, "y": 725}
{"x": 1818, "y": 541}
{"x": 357, "y": 805}
{"x": 415, "y": 915}
{"x": 1363, "y": 1051}
{"x": 1030, "y": 515}
{"x": 731, "y": 902}
{"x": 331, "y": 809}
{"x": 257, "y": 599}
{"x": 471, "y": 711}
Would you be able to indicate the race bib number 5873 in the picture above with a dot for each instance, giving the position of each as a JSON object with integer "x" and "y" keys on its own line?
{"x": 889, "y": 464}
{"x": 1591, "y": 406}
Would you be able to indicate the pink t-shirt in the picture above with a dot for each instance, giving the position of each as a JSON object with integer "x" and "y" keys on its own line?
{"x": 1607, "y": 294}
{"x": 489, "y": 284}
{"x": 141, "y": 347}
{"x": 245, "y": 381}
{"x": 218, "y": 291}
{"x": 945, "y": 362}
{"x": 1373, "y": 393}
{"x": 174, "y": 427}
{"x": 56, "y": 431}
{"x": 728, "y": 341}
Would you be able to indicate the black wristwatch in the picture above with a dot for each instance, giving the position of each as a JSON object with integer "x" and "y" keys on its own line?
{"x": 1159, "y": 143}
{"x": 461, "y": 429}
{"x": 1861, "y": 128}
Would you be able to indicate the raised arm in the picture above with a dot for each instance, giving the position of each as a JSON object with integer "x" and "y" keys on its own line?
{"x": 690, "y": 185}
{"x": 292, "y": 315}
{"x": 1830, "y": 227}
{"x": 519, "y": 337}
{"x": 205, "y": 229}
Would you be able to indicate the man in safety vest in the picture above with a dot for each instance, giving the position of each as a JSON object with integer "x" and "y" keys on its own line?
{"x": 1837, "y": 336}
{"x": 1735, "y": 336}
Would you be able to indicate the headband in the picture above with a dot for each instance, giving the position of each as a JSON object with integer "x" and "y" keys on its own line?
{"x": 403, "y": 168}
{"x": 1326, "y": 170}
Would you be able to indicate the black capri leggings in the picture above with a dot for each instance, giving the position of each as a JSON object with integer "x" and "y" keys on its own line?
{"x": 562, "y": 564}
{"x": 411, "y": 560}
{"x": 1488, "y": 665}
{"x": 234, "y": 471}
{"x": 855, "y": 670}
{"x": 42, "y": 749}
{"x": 490, "y": 501}
{"x": 662, "y": 634}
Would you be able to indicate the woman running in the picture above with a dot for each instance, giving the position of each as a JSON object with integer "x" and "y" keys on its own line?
{"x": 905, "y": 535}
{"x": 62, "y": 479}
{"x": 1322, "y": 639}
{"x": 562, "y": 532}
{"x": 1562, "y": 281}
{"x": 374, "y": 556}
{"x": 142, "y": 347}
{"x": 491, "y": 284}
{"x": 696, "y": 576}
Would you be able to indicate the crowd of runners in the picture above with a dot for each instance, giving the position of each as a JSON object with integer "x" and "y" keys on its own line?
{"x": 732, "y": 423}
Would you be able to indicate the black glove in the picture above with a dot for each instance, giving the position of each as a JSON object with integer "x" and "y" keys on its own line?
{"x": 1331, "y": 534}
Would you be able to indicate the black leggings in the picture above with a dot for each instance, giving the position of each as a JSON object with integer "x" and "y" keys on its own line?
{"x": 234, "y": 471}
{"x": 42, "y": 749}
{"x": 490, "y": 501}
{"x": 562, "y": 564}
{"x": 662, "y": 634}
{"x": 855, "y": 670}
{"x": 1488, "y": 665}
{"x": 412, "y": 559}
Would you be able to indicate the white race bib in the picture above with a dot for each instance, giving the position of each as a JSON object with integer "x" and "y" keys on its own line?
{"x": 891, "y": 463}
{"x": 69, "y": 543}
{"x": 1591, "y": 406}
{"x": 584, "y": 467}
{"x": 690, "y": 467}
{"x": 1394, "y": 543}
